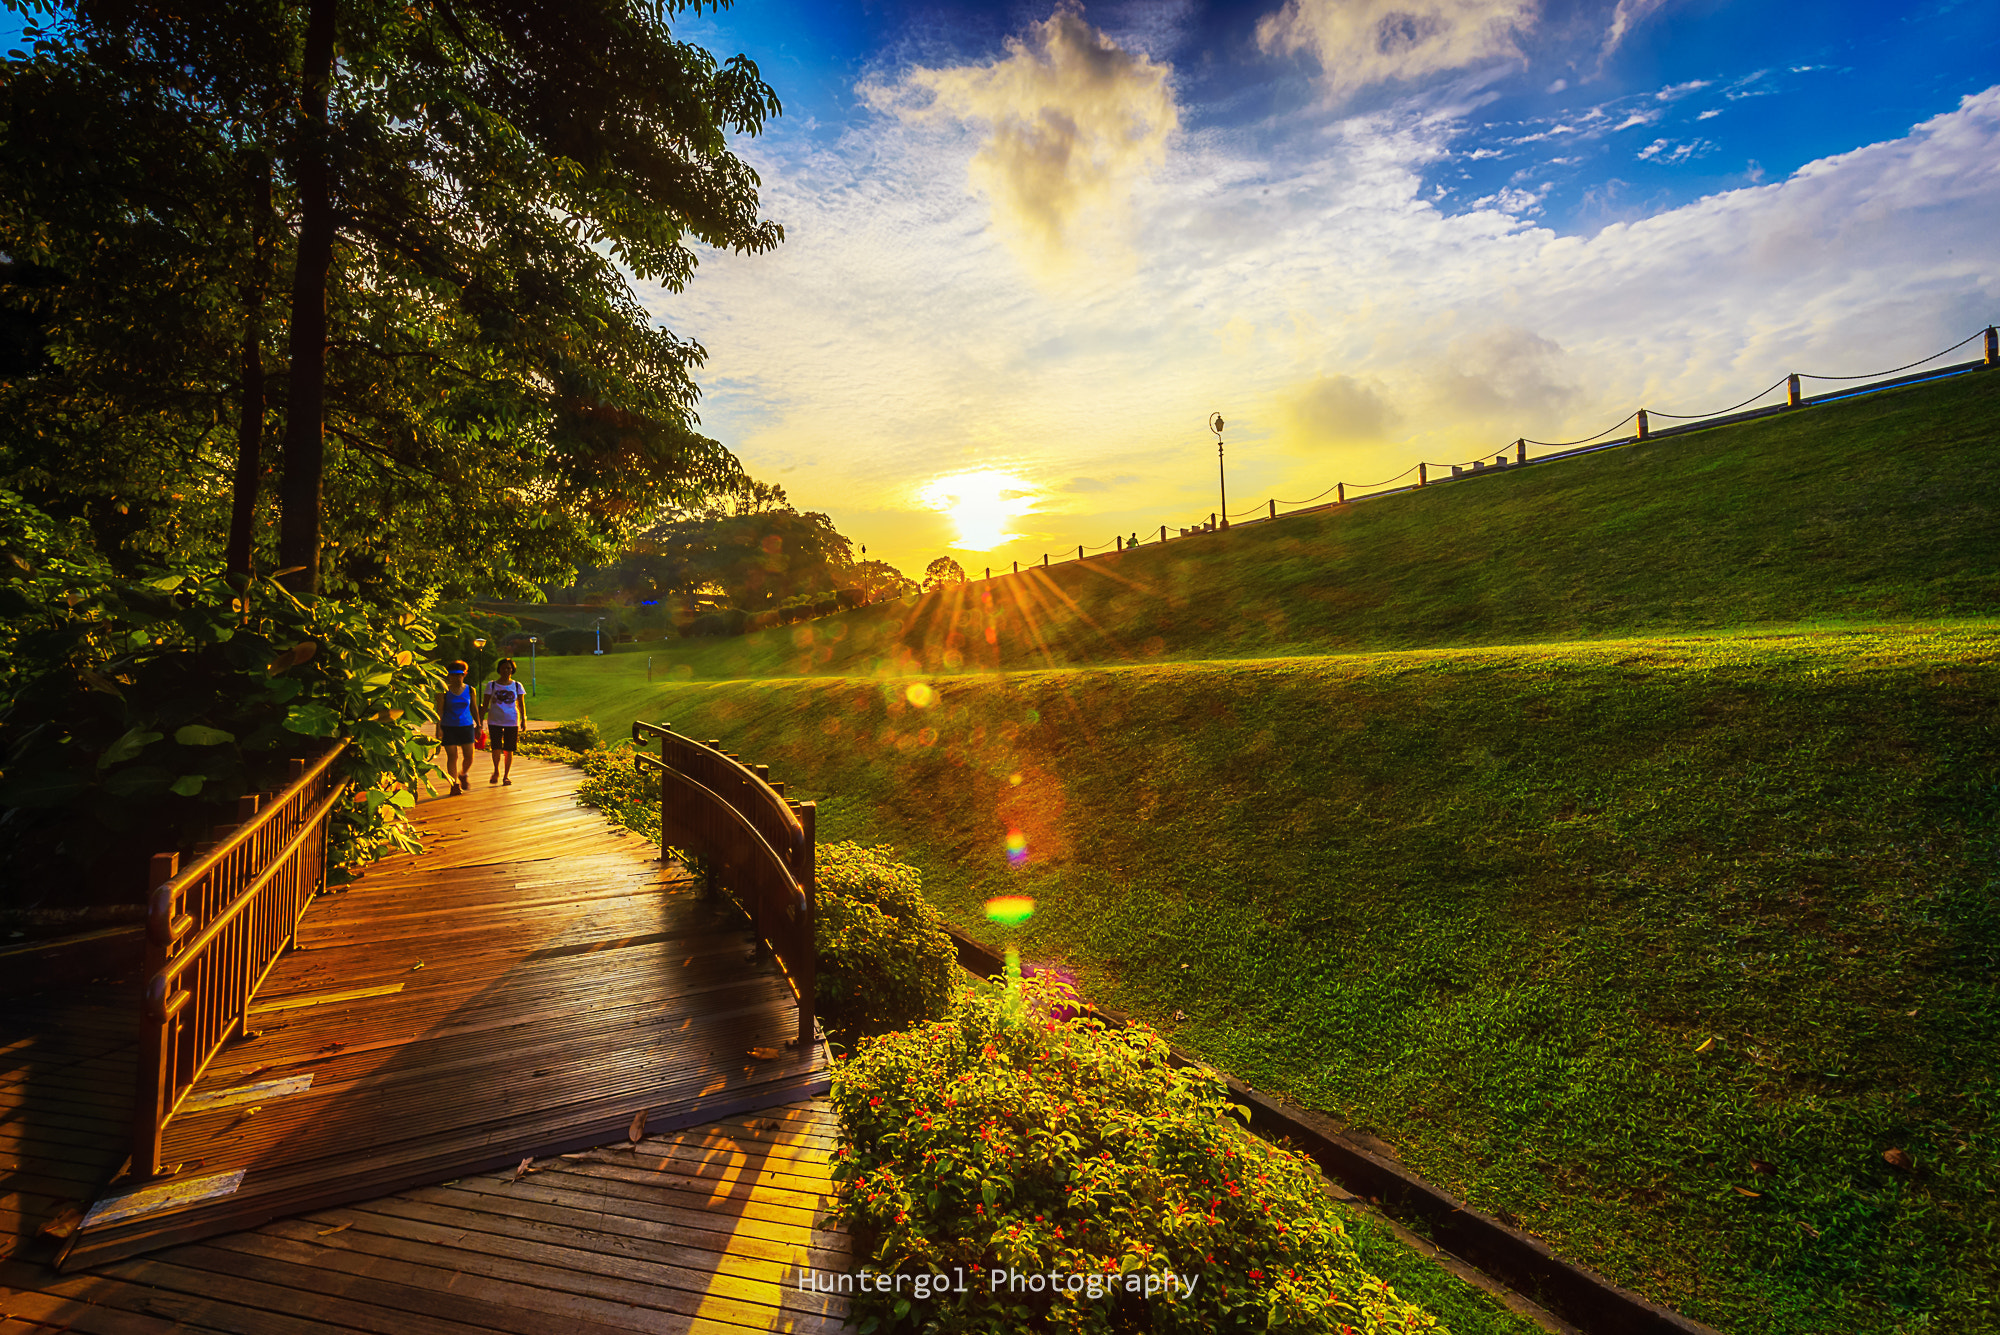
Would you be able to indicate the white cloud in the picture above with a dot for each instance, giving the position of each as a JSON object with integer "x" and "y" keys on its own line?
{"x": 1674, "y": 92}
{"x": 894, "y": 339}
{"x": 1629, "y": 15}
{"x": 1362, "y": 42}
{"x": 1710, "y": 114}
{"x": 1071, "y": 123}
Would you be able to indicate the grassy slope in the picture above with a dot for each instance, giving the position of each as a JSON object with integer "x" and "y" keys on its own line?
{"x": 1489, "y": 902}
{"x": 1884, "y": 508}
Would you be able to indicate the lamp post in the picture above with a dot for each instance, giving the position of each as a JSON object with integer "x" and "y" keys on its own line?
{"x": 600, "y": 636}
{"x": 1222, "y": 477}
{"x": 477, "y": 645}
{"x": 532, "y": 641}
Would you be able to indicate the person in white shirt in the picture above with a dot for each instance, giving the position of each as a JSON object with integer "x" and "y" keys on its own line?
{"x": 506, "y": 704}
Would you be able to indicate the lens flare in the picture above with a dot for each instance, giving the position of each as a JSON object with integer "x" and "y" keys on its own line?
{"x": 983, "y": 504}
{"x": 1017, "y": 847}
{"x": 920, "y": 695}
{"x": 1012, "y": 910}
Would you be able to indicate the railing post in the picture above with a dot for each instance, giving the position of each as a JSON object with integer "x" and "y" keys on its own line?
{"x": 1045, "y": 560}
{"x": 1079, "y": 551}
{"x": 1423, "y": 475}
{"x": 1163, "y": 533}
{"x": 1644, "y": 429}
{"x": 1340, "y": 493}
{"x": 1017, "y": 567}
{"x": 1274, "y": 507}
{"x": 1992, "y": 346}
{"x": 806, "y": 970}
{"x": 1792, "y": 390}
{"x": 1521, "y": 450}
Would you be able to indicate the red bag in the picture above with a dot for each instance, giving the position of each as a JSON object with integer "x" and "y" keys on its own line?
{"x": 479, "y": 739}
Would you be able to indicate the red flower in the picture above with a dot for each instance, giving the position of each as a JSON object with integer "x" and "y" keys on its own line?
{"x": 1256, "y": 1274}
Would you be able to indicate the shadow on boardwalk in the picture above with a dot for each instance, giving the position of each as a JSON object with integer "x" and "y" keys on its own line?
{"x": 522, "y": 988}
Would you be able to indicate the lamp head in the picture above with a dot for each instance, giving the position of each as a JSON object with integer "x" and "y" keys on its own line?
{"x": 1215, "y": 423}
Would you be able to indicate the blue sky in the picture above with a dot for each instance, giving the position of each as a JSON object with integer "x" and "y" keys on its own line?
{"x": 1031, "y": 246}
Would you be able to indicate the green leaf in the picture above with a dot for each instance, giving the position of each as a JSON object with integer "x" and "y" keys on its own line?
{"x": 312, "y": 720}
{"x": 138, "y": 781}
{"x": 122, "y": 750}
{"x": 198, "y": 734}
{"x": 188, "y": 785}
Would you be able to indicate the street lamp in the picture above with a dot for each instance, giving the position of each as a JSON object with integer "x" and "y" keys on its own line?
{"x": 1215, "y": 425}
{"x": 532, "y": 640}
{"x": 600, "y": 636}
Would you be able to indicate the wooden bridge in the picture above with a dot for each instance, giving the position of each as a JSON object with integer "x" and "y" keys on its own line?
{"x": 529, "y": 1079}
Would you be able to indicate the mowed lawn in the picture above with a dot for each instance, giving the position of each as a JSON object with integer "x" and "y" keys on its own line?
{"x": 1617, "y": 839}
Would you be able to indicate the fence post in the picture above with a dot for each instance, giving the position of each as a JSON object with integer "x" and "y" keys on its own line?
{"x": 989, "y": 573}
{"x": 807, "y": 977}
{"x": 1211, "y": 521}
{"x": 1079, "y": 551}
{"x": 1521, "y": 450}
{"x": 1163, "y": 533}
{"x": 1423, "y": 475}
{"x": 1992, "y": 346}
{"x": 1642, "y": 424}
{"x": 1274, "y": 507}
{"x": 1045, "y": 560}
{"x": 1017, "y": 567}
{"x": 1792, "y": 390}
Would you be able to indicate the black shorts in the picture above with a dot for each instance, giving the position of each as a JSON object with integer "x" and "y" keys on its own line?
{"x": 451, "y": 735}
{"x": 501, "y": 736}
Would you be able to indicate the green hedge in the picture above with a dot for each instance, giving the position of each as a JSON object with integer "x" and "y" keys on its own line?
{"x": 885, "y": 959}
{"x": 1002, "y": 1141}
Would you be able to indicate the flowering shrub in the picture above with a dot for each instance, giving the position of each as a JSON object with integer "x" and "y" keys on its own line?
{"x": 885, "y": 959}
{"x": 987, "y": 1150}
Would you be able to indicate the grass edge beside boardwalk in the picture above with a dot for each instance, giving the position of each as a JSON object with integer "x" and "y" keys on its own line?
{"x": 1757, "y": 749}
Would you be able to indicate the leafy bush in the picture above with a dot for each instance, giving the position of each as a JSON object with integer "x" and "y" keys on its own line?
{"x": 1000, "y": 1140}
{"x": 729, "y": 621}
{"x": 578, "y": 734}
{"x": 885, "y": 959}
{"x": 615, "y": 786}
{"x": 571, "y": 640}
{"x": 134, "y": 712}
{"x": 562, "y": 755}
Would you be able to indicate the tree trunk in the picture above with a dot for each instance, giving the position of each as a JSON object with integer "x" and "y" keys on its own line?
{"x": 250, "y": 431}
{"x": 305, "y": 443}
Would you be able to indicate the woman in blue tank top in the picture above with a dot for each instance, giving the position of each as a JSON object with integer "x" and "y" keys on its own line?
{"x": 457, "y": 726}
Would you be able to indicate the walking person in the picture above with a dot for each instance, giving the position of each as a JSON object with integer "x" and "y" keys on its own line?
{"x": 506, "y": 704}
{"x": 457, "y": 726}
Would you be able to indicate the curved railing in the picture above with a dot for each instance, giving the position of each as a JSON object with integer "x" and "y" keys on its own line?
{"x": 214, "y": 931}
{"x": 754, "y": 843}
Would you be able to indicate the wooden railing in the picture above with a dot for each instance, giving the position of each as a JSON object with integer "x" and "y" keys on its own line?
{"x": 215, "y": 929}
{"x": 755, "y": 844}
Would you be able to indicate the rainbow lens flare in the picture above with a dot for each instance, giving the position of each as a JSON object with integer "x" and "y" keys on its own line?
{"x": 1017, "y": 848}
{"x": 1010, "y": 909}
{"x": 920, "y": 695}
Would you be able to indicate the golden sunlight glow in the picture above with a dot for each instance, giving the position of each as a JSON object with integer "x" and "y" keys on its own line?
{"x": 983, "y": 505}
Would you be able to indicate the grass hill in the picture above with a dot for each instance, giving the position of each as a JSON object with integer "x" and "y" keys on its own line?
{"x": 1876, "y": 509}
{"x": 1487, "y": 819}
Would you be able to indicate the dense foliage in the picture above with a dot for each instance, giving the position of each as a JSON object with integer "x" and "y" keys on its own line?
{"x": 1002, "y": 1141}
{"x": 885, "y": 959}
{"x": 134, "y": 711}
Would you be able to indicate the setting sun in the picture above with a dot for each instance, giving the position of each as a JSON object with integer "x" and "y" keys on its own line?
{"x": 983, "y": 505}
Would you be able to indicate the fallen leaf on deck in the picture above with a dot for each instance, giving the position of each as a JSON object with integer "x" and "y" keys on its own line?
{"x": 253, "y": 1073}
{"x": 328, "y": 1232}
{"x": 63, "y": 1222}
{"x": 1759, "y": 1166}
{"x": 637, "y": 1131}
{"x": 525, "y": 1167}
{"x": 767, "y": 1054}
{"x": 418, "y": 965}
{"x": 331, "y": 1047}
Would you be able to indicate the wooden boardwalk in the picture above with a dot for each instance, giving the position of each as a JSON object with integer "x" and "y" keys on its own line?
{"x": 703, "y": 1231}
{"x": 523, "y": 988}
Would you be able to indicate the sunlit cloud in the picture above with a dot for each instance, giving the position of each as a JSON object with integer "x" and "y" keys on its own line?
{"x": 983, "y": 504}
{"x": 1362, "y": 42}
{"x": 1070, "y": 122}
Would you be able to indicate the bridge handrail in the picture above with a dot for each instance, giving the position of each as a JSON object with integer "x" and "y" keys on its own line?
{"x": 755, "y": 843}
{"x": 215, "y": 930}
